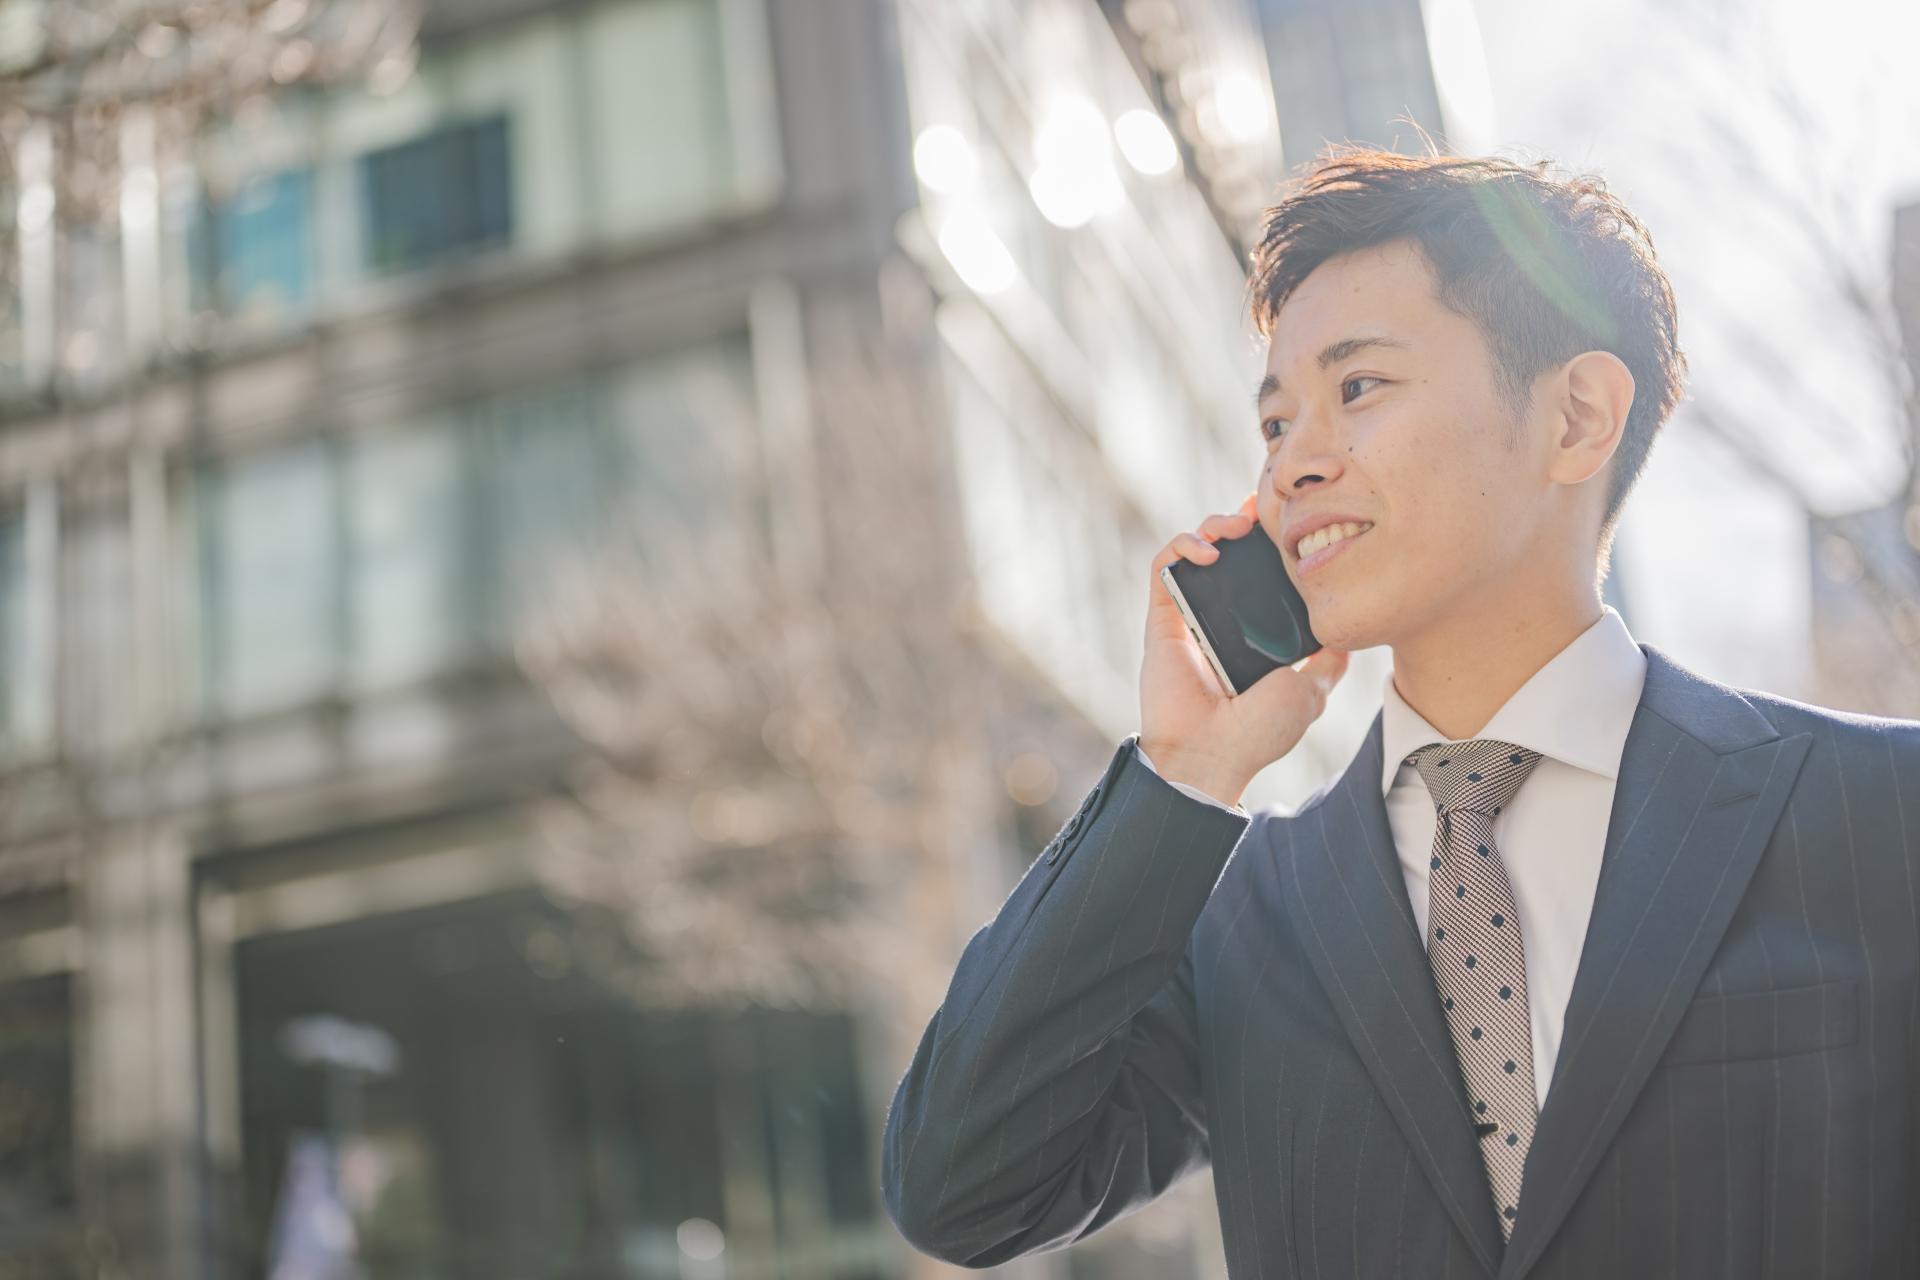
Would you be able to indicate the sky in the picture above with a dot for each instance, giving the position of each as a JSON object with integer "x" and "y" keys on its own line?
{"x": 1761, "y": 142}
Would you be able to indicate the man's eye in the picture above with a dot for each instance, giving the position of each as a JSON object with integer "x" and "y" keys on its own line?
{"x": 1269, "y": 428}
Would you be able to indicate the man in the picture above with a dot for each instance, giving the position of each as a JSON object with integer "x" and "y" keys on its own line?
{"x": 1585, "y": 967}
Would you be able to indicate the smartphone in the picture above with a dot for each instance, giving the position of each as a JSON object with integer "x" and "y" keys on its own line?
{"x": 1243, "y": 609}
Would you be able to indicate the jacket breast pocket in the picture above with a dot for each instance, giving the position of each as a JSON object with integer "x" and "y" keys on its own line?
{"x": 1766, "y": 1024}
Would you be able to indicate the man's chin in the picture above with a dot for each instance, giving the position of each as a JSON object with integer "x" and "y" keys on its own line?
{"x": 1338, "y": 628}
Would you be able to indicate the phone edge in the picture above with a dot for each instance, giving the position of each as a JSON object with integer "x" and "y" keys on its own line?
{"x": 1193, "y": 625}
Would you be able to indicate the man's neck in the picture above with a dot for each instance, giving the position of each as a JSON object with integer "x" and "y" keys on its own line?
{"x": 1459, "y": 673}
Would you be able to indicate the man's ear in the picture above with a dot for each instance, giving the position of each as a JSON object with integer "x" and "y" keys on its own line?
{"x": 1596, "y": 396}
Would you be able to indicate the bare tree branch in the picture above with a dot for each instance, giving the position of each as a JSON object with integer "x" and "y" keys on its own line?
{"x": 756, "y": 818}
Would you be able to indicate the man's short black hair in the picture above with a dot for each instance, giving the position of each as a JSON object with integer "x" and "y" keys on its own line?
{"x": 1547, "y": 266}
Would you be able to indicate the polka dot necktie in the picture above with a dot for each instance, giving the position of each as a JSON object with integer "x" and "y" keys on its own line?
{"x": 1473, "y": 946}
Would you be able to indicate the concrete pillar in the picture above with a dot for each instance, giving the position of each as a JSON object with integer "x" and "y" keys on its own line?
{"x": 138, "y": 1120}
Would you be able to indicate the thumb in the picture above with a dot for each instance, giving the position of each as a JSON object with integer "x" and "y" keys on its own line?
{"x": 1299, "y": 685}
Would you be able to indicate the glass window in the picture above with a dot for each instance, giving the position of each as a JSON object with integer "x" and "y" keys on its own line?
{"x": 383, "y": 559}
{"x": 404, "y": 546}
{"x": 262, "y": 247}
{"x": 16, "y": 637}
{"x": 659, "y": 68}
{"x": 545, "y": 492}
{"x": 660, "y": 443}
{"x": 270, "y": 550}
{"x": 27, "y": 595}
{"x": 1014, "y": 470}
{"x": 13, "y": 374}
{"x": 451, "y": 1094}
{"x": 36, "y": 1106}
{"x": 439, "y": 194}
{"x": 100, "y": 644}
{"x": 91, "y": 352}
{"x": 687, "y": 427}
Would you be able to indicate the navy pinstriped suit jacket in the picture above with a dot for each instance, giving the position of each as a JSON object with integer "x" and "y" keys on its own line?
{"x": 1172, "y": 984}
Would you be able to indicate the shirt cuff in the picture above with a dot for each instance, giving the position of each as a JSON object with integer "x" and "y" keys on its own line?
{"x": 1194, "y": 792}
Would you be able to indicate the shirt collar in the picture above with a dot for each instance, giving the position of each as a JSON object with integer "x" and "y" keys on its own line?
{"x": 1577, "y": 708}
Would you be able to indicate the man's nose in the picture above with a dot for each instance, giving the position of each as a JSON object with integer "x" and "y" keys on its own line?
{"x": 1312, "y": 449}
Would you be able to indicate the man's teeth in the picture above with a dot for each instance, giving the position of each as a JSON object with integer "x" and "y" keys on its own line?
{"x": 1326, "y": 537}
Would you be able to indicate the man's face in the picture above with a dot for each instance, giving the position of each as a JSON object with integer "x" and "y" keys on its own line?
{"x": 1410, "y": 433}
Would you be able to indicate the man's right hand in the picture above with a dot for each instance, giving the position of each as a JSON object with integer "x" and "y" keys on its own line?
{"x": 1192, "y": 729}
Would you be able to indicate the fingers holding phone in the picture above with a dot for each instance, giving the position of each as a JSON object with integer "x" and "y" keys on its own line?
{"x": 1240, "y": 624}
{"x": 1197, "y": 546}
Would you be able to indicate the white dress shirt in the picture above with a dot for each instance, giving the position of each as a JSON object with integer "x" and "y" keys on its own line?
{"x": 1575, "y": 711}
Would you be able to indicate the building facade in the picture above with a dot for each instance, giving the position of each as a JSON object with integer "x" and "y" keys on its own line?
{"x": 291, "y": 457}
{"x": 1351, "y": 72}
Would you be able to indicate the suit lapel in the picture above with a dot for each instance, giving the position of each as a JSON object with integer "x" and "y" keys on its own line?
{"x": 1348, "y": 896}
{"x": 1703, "y": 780}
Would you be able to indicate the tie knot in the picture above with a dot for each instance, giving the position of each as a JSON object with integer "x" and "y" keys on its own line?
{"x": 1479, "y": 775}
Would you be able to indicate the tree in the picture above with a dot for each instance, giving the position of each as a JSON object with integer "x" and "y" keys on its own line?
{"x": 1721, "y": 102}
{"x": 776, "y": 759}
{"x": 97, "y": 97}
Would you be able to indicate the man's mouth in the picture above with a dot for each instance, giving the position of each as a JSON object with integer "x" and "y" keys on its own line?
{"x": 1331, "y": 535}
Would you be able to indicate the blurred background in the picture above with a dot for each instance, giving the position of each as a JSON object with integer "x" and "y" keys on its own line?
{"x": 558, "y": 557}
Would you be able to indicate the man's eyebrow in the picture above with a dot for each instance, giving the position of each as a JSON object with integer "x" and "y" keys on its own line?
{"x": 1335, "y": 352}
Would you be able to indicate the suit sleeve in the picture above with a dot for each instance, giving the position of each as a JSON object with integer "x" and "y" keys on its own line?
{"x": 1904, "y": 759}
{"x": 1182, "y": 787}
{"x": 1058, "y": 1087}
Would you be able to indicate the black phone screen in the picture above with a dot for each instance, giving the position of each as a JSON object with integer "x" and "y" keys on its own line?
{"x": 1243, "y": 609}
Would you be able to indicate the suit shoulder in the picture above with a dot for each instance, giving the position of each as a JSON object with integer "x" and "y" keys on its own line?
{"x": 1790, "y": 715}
